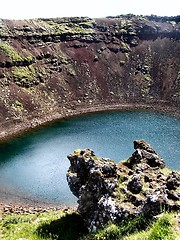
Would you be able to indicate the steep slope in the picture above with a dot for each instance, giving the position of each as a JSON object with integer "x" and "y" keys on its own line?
{"x": 50, "y": 68}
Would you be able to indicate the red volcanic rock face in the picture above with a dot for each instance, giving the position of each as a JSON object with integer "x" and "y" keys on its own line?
{"x": 52, "y": 67}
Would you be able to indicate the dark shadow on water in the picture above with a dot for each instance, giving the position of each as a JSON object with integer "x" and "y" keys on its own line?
{"x": 18, "y": 145}
{"x": 69, "y": 227}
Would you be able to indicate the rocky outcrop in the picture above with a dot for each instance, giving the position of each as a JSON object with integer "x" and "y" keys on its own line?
{"x": 107, "y": 191}
{"x": 57, "y": 66}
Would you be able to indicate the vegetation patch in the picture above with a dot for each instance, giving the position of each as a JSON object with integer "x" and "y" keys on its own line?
{"x": 25, "y": 76}
{"x": 69, "y": 27}
{"x": 70, "y": 226}
{"x": 10, "y": 51}
{"x": 165, "y": 228}
{"x": 18, "y": 106}
{"x": 48, "y": 225}
{"x": 139, "y": 229}
{"x": 13, "y": 55}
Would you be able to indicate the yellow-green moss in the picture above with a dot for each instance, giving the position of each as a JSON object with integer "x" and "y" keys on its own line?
{"x": 10, "y": 51}
{"x": 25, "y": 76}
{"x": 69, "y": 27}
{"x": 18, "y": 106}
{"x": 12, "y": 54}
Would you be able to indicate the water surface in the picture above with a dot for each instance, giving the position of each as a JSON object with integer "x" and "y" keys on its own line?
{"x": 36, "y": 163}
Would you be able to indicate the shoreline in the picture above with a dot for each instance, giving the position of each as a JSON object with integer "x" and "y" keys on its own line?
{"x": 13, "y": 201}
{"x": 19, "y": 127}
{"x": 9, "y": 202}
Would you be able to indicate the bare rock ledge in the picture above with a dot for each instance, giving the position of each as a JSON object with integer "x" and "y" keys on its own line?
{"x": 107, "y": 191}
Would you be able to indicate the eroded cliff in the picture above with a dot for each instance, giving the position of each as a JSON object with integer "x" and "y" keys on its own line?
{"x": 53, "y": 67}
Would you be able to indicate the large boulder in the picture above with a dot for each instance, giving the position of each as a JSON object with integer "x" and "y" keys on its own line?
{"x": 107, "y": 191}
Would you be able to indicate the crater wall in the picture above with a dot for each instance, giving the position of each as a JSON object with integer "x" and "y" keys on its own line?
{"x": 51, "y": 68}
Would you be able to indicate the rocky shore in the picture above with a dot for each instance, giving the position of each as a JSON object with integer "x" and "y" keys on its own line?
{"x": 28, "y": 209}
{"x": 12, "y": 202}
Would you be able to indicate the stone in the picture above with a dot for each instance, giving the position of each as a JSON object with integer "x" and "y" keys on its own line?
{"x": 135, "y": 185}
{"x": 145, "y": 153}
{"x": 173, "y": 195}
{"x": 107, "y": 191}
{"x": 173, "y": 181}
{"x": 96, "y": 58}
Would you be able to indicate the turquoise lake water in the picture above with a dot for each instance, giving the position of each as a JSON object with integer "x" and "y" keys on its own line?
{"x": 36, "y": 163}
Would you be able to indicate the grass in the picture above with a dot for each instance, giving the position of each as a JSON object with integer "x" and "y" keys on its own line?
{"x": 48, "y": 225}
{"x": 116, "y": 232}
{"x": 69, "y": 226}
{"x": 139, "y": 229}
{"x": 163, "y": 229}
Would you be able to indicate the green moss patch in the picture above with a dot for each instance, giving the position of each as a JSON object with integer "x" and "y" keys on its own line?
{"x": 10, "y": 51}
{"x": 25, "y": 76}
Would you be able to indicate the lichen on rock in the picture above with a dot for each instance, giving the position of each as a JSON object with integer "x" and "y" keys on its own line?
{"x": 107, "y": 191}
